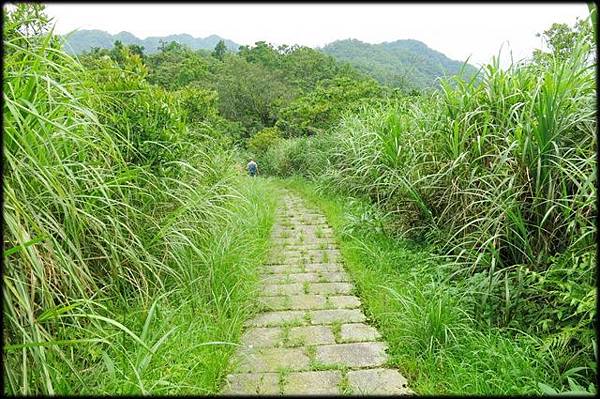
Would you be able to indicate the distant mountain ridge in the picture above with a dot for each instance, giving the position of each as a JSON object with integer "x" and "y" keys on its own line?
{"x": 402, "y": 62}
{"x": 84, "y": 40}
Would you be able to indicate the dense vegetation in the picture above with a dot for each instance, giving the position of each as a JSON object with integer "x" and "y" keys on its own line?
{"x": 398, "y": 64}
{"x": 131, "y": 237}
{"x": 128, "y": 238}
{"x": 403, "y": 63}
{"x": 433, "y": 338}
{"x": 499, "y": 175}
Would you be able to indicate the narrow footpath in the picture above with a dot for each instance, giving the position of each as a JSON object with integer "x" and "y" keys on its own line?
{"x": 312, "y": 337}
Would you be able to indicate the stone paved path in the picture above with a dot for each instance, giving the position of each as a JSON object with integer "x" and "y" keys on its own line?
{"x": 311, "y": 337}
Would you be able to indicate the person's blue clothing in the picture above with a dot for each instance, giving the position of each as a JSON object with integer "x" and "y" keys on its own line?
{"x": 252, "y": 168}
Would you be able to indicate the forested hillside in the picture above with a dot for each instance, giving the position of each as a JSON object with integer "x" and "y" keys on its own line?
{"x": 133, "y": 238}
{"x": 399, "y": 63}
{"x": 86, "y": 39}
{"x": 403, "y": 63}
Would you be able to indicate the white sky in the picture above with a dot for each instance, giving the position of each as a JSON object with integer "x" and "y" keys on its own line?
{"x": 457, "y": 30}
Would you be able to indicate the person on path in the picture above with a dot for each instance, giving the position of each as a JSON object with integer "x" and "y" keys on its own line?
{"x": 252, "y": 168}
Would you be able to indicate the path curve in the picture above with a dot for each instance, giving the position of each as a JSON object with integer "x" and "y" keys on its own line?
{"x": 311, "y": 337}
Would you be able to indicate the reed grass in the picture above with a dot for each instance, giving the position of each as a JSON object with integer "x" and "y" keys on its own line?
{"x": 434, "y": 338}
{"x": 126, "y": 237}
{"x": 499, "y": 173}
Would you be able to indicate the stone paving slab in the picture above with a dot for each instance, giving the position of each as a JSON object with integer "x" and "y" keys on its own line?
{"x": 314, "y": 255}
{"x": 378, "y": 382}
{"x": 310, "y": 335}
{"x": 321, "y": 245}
{"x": 290, "y": 278}
{"x": 333, "y": 277}
{"x": 357, "y": 332}
{"x": 262, "y": 337}
{"x": 281, "y": 269}
{"x": 277, "y": 318}
{"x": 330, "y": 288}
{"x": 294, "y": 302}
{"x": 323, "y": 267}
{"x": 272, "y": 360}
{"x": 282, "y": 289}
{"x": 336, "y": 316}
{"x": 296, "y": 239}
{"x": 315, "y": 382}
{"x": 344, "y": 301}
{"x": 308, "y": 302}
{"x": 316, "y": 230}
{"x": 249, "y": 384}
{"x": 364, "y": 354}
{"x": 309, "y": 321}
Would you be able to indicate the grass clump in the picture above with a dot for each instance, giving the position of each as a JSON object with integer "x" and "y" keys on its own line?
{"x": 498, "y": 173}
{"x": 128, "y": 236}
{"x": 425, "y": 316}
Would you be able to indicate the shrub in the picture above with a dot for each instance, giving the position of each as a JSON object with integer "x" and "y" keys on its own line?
{"x": 263, "y": 140}
{"x": 499, "y": 171}
{"x": 107, "y": 206}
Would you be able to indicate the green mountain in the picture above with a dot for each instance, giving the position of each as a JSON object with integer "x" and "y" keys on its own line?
{"x": 84, "y": 40}
{"x": 401, "y": 63}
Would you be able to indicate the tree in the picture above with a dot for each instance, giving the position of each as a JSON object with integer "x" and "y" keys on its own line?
{"x": 263, "y": 140}
{"x": 561, "y": 39}
{"x": 176, "y": 66}
{"x": 32, "y": 17}
{"x": 305, "y": 67}
{"x": 250, "y": 93}
{"x": 319, "y": 109}
{"x": 137, "y": 49}
{"x": 220, "y": 50}
{"x": 262, "y": 53}
{"x": 117, "y": 52}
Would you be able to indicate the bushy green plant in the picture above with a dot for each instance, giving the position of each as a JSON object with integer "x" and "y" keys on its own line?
{"x": 499, "y": 171}
{"x": 111, "y": 212}
{"x": 304, "y": 156}
{"x": 321, "y": 108}
{"x": 198, "y": 104}
{"x": 177, "y": 66}
{"x": 263, "y": 140}
{"x": 259, "y": 145}
{"x": 149, "y": 117}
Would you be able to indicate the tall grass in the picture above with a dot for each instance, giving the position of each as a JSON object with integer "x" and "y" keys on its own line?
{"x": 118, "y": 220}
{"x": 433, "y": 338}
{"x": 500, "y": 173}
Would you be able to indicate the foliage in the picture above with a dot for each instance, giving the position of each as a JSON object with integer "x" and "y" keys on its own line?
{"x": 263, "y": 140}
{"x": 176, "y": 66}
{"x": 304, "y": 156}
{"x": 262, "y": 53}
{"x": 220, "y": 50}
{"x": 321, "y": 108}
{"x": 250, "y": 94}
{"x": 148, "y": 116}
{"x": 301, "y": 90}
{"x": 406, "y": 64}
{"x": 562, "y": 40}
{"x": 306, "y": 67}
{"x": 499, "y": 172}
{"x": 198, "y": 104}
{"x": 117, "y": 223}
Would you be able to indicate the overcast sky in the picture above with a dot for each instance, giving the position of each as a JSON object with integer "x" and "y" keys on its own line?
{"x": 457, "y": 30}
